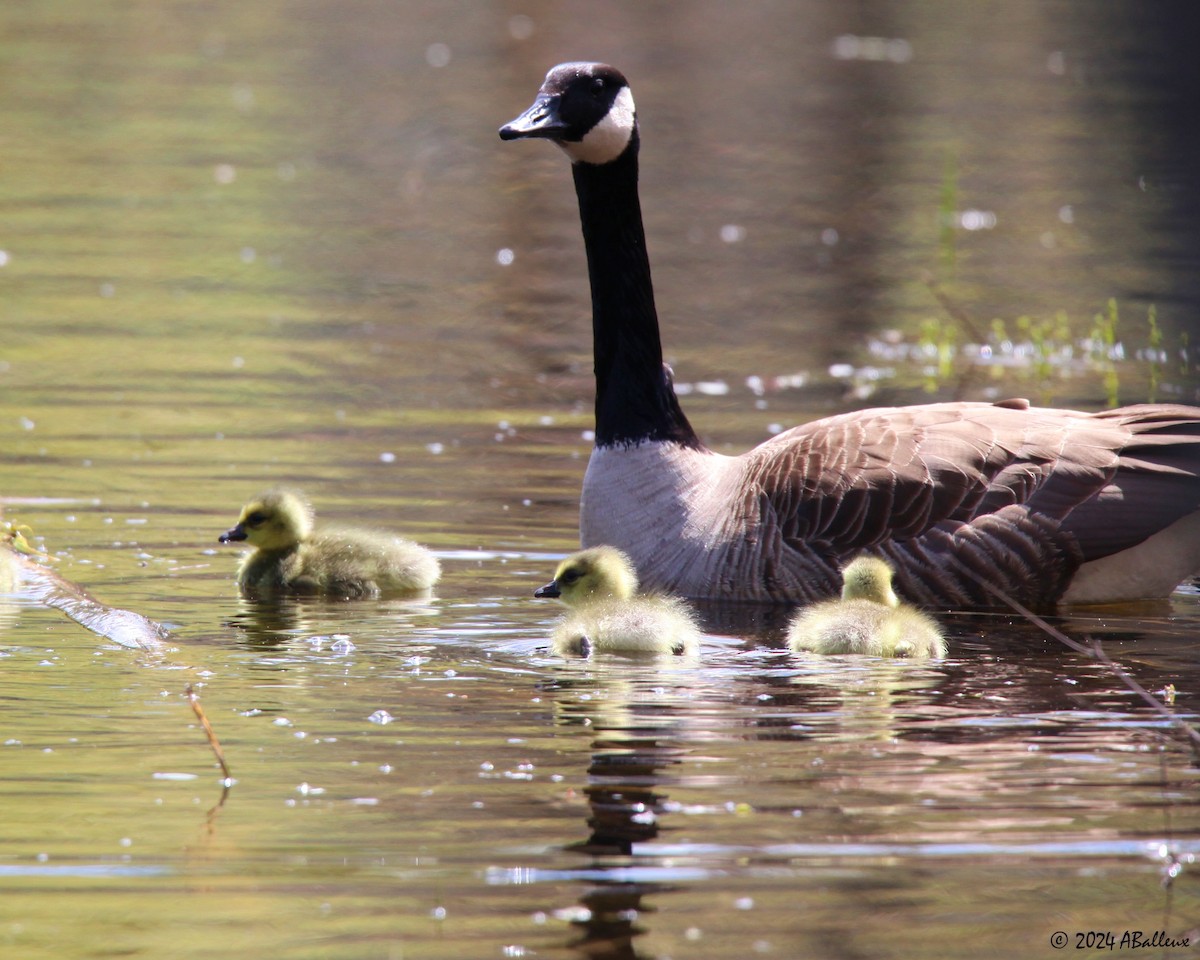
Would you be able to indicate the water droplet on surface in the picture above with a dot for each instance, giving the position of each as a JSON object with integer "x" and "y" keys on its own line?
{"x": 437, "y": 55}
{"x": 520, "y": 27}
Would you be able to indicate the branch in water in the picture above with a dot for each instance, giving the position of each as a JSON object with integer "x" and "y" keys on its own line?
{"x": 213, "y": 742}
{"x": 125, "y": 627}
{"x": 1095, "y": 651}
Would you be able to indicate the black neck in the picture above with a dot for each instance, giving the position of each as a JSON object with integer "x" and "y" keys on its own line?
{"x": 634, "y": 397}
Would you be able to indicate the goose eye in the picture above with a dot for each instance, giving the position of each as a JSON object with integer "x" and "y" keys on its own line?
{"x": 570, "y": 576}
{"x": 255, "y": 519}
{"x": 598, "y": 85}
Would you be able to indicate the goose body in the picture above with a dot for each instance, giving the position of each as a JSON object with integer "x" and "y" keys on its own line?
{"x": 1048, "y": 506}
{"x": 606, "y": 614}
{"x": 291, "y": 556}
{"x": 868, "y": 619}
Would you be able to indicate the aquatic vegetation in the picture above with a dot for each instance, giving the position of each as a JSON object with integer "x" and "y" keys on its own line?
{"x": 17, "y": 536}
{"x": 1043, "y": 357}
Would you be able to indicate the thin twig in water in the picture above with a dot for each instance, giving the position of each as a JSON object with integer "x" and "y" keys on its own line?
{"x": 1095, "y": 651}
{"x": 208, "y": 731}
{"x": 957, "y": 313}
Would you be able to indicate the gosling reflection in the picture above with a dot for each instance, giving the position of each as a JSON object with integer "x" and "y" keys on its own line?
{"x": 639, "y": 726}
{"x": 278, "y": 621}
{"x": 610, "y": 927}
{"x": 270, "y": 623}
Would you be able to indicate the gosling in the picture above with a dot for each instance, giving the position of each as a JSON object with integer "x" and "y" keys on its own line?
{"x": 868, "y": 619}
{"x": 599, "y": 585}
{"x": 291, "y": 557}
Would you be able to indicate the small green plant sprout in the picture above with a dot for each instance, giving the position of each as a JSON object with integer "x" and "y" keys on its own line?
{"x": 1154, "y": 352}
{"x": 17, "y": 536}
{"x": 939, "y": 338}
{"x": 1106, "y": 349}
{"x": 948, "y": 215}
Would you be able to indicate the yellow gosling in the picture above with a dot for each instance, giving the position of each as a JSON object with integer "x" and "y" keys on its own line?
{"x": 291, "y": 556}
{"x": 599, "y": 585}
{"x": 868, "y": 619}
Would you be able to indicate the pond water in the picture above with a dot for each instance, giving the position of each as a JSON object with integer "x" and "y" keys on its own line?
{"x": 243, "y": 244}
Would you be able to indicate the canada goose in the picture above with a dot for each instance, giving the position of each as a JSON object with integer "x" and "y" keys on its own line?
{"x": 869, "y": 618}
{"x": 600, "y": 586}
{"x": 290, "y": 557}
{"x": 1046, "y": 505}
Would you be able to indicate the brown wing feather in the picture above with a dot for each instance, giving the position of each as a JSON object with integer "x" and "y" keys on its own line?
{"x": 1019, "y": 496}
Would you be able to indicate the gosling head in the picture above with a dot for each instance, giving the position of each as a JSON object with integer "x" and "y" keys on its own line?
{"x": 586, "y": 108}
{"x": 869, "y": 578}
{"x": 598, "y": 573}
{"x": 276, "y": 520}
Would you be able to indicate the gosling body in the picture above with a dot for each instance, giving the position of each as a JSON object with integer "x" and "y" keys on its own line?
{"x": 606, "y": 614}
{"x": 868, "y": 619}
{"x": 292, "y": 556}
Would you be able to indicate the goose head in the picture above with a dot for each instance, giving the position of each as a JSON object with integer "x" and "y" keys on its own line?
{"x": 869, "y": 578}
{"x": 276, "y": 520}
{"x": 586, "y": 108}
{"x": 597, "y": 573}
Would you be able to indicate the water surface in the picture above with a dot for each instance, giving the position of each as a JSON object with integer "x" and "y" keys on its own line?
{"x": 252, "y": 243}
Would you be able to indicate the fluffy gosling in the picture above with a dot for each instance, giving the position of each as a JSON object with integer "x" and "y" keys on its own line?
{"x": 599, "y": 585}
{"x": 869, "y": 618}
{"x": 291, "y": 557}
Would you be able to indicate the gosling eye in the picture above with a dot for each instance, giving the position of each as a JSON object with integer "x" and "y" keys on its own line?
{"x": 255, "y": 519}
{"x": 570, "y": 576}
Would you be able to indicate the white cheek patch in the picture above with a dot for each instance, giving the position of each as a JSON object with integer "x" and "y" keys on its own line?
{"x": 608, "y": 139}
